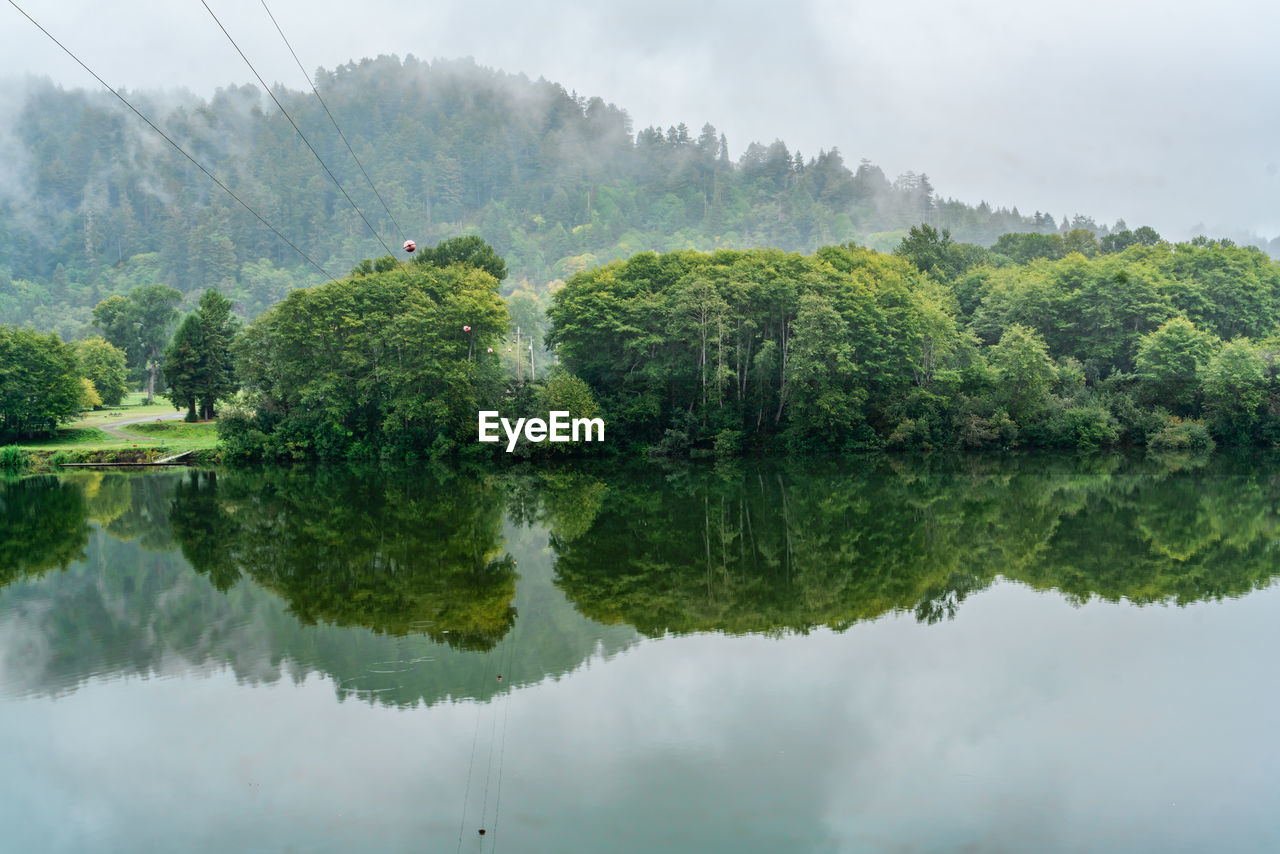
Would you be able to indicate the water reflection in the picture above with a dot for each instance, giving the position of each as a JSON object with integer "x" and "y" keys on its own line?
{"x": 770, "y": 549}
{"x": 43, "y": 526}
{"x": 402, "y": 586}
{"x": 395, "y": 553}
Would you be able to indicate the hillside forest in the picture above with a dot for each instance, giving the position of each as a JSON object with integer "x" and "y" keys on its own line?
{"x": 93, "y": 203}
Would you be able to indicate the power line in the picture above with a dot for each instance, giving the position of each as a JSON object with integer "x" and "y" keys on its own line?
{"x": 335, "y": 121}
{"x": 303, "y": 136}
{"x": 169, "y": 140}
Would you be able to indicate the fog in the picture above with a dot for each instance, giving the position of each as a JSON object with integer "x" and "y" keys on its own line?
{"x": 1154, "y": 112}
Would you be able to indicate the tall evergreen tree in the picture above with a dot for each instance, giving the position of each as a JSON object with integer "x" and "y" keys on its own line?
{"x": 198, "y": 367}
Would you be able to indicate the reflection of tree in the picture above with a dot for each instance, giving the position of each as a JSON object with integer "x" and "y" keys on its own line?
{"x": 397, "y": 554}
{"x": 146, "y": 516}
{"x": 791, "y": 548}
{"x": 417, "y": 557}
{"x": 43, "y": 525}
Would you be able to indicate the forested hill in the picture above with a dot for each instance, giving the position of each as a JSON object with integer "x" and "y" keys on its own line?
{"x": 93, "y": 203}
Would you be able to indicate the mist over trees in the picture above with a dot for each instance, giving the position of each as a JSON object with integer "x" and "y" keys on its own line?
{"x": 93, "y": 204}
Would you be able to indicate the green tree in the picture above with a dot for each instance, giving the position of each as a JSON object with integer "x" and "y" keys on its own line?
{"x": 387, "y": 362}
{"x": 39, "y": 383}
{"x": 103, "y": 364}
{"x": 183, "y": 369}
{"x": 1024, "y": 372}
{"x": 469, "y": 251}
{"x": 1168, "y": 362}
{"x": 140, "y": 325}
{"x": 823, "y": 383}
{"x": 935, "y": 252}
{"x": 199, "y": 368}
{"x": 1234, "y": 387}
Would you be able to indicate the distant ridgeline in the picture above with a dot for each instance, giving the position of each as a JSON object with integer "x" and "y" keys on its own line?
{"x": 93, "y": 203}
{"x": 313, "y": 566}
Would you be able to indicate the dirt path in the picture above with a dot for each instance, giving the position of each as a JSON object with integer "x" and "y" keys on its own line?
{"x": 111, "y": 428}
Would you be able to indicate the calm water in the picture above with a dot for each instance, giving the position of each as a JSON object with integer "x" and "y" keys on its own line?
{"x": 1031, "y": 654}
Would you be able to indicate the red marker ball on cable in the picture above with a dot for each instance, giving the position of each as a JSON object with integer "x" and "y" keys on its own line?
{"x": 410, "y": 246}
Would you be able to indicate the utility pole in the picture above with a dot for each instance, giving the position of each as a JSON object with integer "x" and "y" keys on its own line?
{"x": 519, "y": 371}
{"x": 533, "y": 374}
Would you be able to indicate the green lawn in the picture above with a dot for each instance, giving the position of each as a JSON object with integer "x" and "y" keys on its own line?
{"x": 134, "y": 406}
{"x": 74, "y": 439}
{"x": 84, "y": 434}
{"x": 178, "y": 434}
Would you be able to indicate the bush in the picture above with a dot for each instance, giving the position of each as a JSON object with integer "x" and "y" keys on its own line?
{"x": 728, "y": 443}
{"x": 13, "y": 458}
{"x": 240, "y": 438}
{"x": 909, "y": 433}
{"x": 1084, "y": 427}
{"x": 674, "y": 443}
{"x": 1179, "y": 435}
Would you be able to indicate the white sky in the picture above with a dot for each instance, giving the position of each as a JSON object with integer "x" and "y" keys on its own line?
{"x": 1160, "y": 113}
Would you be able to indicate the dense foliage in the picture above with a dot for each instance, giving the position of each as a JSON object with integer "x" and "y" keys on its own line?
{"x": 140, "y": 324}
{"x": 40, "y": 383}
{"x": 947, "y": 344}
{"x": 103, "y": 365}
{"x": 391, "y": 362}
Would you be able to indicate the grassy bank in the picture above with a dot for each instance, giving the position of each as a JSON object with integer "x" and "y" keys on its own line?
{"x": 99, "y": 436}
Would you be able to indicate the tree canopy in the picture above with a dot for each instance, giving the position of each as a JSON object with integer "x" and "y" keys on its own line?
{"x": 40, "y": 383}
{"x": 379, "y": 363}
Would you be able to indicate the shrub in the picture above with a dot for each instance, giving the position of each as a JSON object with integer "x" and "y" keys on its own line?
{"x": 1084, "y": 427}
{"x": 728, "y": 443}
{"x": 1180, "y": 435}
{"x": 13, "y": 458}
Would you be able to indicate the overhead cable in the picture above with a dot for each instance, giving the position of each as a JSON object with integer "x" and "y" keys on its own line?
{"x": 303, "y": 136}
{"x": 170, "y": 140}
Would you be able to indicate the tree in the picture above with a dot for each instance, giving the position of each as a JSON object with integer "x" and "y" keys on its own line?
{"x": 104, "y": 364}
{"x": 566, "y": 393}
{"x": 1168, "y": 361}
{"x": 139, "y": 325}
{"x": 198, "y": 366}
{"x": 469, "y": 251}
{"x": 114, "y": 318}
{"x": 39, "y": 383}
{"x": 1024, "y": 370}
{"x": 825, "y": 395}
{"x": 385, "y": 362}
{"x": 182, "y": 368}
{"x": 1234, "y": 388}
{"x": 218, "y": 327}
{"x": 89, "y": 397}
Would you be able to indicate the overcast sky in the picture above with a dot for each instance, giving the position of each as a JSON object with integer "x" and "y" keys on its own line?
{"x": 1157, "y": 112}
